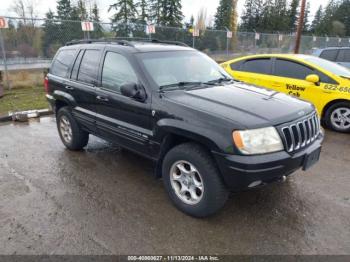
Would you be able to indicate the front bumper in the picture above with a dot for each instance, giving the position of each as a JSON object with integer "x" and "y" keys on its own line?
{"x": 239, "y": 172}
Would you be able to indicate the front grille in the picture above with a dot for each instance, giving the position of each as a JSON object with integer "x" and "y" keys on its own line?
{"x": 300, "y": 134}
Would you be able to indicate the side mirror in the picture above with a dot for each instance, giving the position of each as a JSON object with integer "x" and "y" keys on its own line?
{"x": 134, "y": 91}
{"x": 315, "y": 79}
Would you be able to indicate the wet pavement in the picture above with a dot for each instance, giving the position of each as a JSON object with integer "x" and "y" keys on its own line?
{"x": 104, "y": 200}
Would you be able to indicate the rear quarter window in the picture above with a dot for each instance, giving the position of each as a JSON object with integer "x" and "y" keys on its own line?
{"x": 62, "y": 62}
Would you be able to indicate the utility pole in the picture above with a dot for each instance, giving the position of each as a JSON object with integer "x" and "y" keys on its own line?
{"x": 300, "y": 26}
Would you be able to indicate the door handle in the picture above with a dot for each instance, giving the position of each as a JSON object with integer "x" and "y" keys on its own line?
{"x": 69, "y": 88}
{"x": 101, "y": 98}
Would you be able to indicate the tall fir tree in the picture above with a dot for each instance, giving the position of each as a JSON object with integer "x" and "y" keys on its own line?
{"x": 248, "y": 18}
{"x": 293, "y": 14}
{"x": 306, "y": 27}
{"x": 143, "y": 11}
{"x": 95, "y": 17}
{"x": 125, "y": 14}
{"x": 64, "y": 9}
{"x": 154, "y": 11}
{"x": 316, "y": 23}
{"x": 171, "y": 13}
{"x": 223, "y": 15}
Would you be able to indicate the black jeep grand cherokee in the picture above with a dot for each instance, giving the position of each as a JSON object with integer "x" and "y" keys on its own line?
{"x": 207, "y": 133}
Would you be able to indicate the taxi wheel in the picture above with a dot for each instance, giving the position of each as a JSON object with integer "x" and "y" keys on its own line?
{"x": 337, "y": 117}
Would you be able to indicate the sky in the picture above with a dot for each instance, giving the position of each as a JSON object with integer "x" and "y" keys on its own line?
{"x": 189, "y": 7}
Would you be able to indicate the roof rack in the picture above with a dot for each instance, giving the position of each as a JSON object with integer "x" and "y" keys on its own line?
{"x": 101, "y": 40}
{"x": 126, "y": 41}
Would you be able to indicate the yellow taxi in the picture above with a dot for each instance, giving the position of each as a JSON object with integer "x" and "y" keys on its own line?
{"x": 324, "y": 83}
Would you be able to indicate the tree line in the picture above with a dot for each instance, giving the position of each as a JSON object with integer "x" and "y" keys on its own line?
{"x": 282, "y": 16}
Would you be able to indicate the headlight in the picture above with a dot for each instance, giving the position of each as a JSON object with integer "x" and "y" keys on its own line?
{"x": 258, "y": 141}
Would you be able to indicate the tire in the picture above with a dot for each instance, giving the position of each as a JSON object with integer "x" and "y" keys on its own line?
{"x": 72, "y": 136}
{"x": 336, "y": 114}
{"x": 210, "y": 196}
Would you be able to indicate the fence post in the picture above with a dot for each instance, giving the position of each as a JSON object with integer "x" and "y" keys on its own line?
{"x": 2, "y": 42}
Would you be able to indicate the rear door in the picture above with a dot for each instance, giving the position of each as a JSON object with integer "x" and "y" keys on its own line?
{"x": 120, "y": 118}
{"x": 82, "y": 86}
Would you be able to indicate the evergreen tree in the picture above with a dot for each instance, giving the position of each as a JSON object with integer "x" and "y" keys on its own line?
{"x": 293, "y": 14}
{"x": 50, "y": 35}
{"x": 64, "y": 9}
{"x": 171, "y": 13}
{"x": 126, "y": 12}
{"x": 306, "y": 27}
{"x": 95, "y": 17}
{"x": 223, "y": 14}
{"x": 143, "y": 17}
{"x": 154, "y": 12}
{"x": 81, "y": 8}
{"x": 248, "y": 17}
{"x": 316, "y": 23}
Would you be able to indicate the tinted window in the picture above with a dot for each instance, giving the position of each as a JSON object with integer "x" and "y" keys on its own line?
{"x": 291, "y": 69}
{"x": 326, "y": 79}
{"x": 62, "y": 62}
{"x": 329, "y": 54}
{"x": 259, "y": 66}
{"x": 89, "y": 66}
{"x": 76, "y": 65}
{"x": 116, "y": 72}
{"x": 344, "y": 55}
{"x": 329, "y": 66}
{"x": 236, "y": 66}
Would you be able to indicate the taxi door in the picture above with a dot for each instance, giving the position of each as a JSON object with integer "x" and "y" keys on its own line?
{"x": 290, "y": 77}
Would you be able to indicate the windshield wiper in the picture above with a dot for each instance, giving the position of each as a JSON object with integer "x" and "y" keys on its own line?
{"x": 179, "y": 84}
{"x": 219, "y": 80}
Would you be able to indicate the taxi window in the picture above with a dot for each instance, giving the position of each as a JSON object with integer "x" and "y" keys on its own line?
{"x": 258, "y": 66}
{"x": 285, "y": 68}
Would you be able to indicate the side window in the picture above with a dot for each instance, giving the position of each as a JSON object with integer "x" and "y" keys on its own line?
{"x": 76, "y": 65}
{"x": 116, "y": 72}
{"x": 62, "y": 62}
{"x": 344, "y": 56}
{"x": 89, "y": 66}
{"x": 259, "y": 66}
{"x": 236, "y": 66}
{"x": 285, "y": 68}
{"x": 330, "y": 55}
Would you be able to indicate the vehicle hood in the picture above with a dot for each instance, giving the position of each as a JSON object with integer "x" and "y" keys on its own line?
{"x": 247, "y": 105}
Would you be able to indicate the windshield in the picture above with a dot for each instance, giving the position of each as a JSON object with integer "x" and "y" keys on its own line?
{"x": 178, "y": 68}
{"x": 329, "y": 66}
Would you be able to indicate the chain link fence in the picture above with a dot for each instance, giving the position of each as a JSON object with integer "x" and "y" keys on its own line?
{"x": 30, "y": 44}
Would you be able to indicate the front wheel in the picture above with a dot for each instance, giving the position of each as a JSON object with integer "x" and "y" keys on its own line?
{"x": 337, "y": 117}
{"x": 193, "y": 181}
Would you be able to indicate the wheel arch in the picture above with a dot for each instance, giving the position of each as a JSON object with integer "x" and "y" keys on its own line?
{"x": 331, "y": 103}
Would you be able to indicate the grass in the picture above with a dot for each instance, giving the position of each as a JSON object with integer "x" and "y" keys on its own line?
{"x": 23, "y": 98}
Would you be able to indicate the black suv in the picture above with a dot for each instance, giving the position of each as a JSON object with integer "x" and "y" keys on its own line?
{"x": 207, "y": 133}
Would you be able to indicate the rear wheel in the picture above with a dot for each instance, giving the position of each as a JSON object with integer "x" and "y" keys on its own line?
{"x": 337, "y": 117}
{"x": 193, "y": 181}
{"x": 72, "y": 136}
